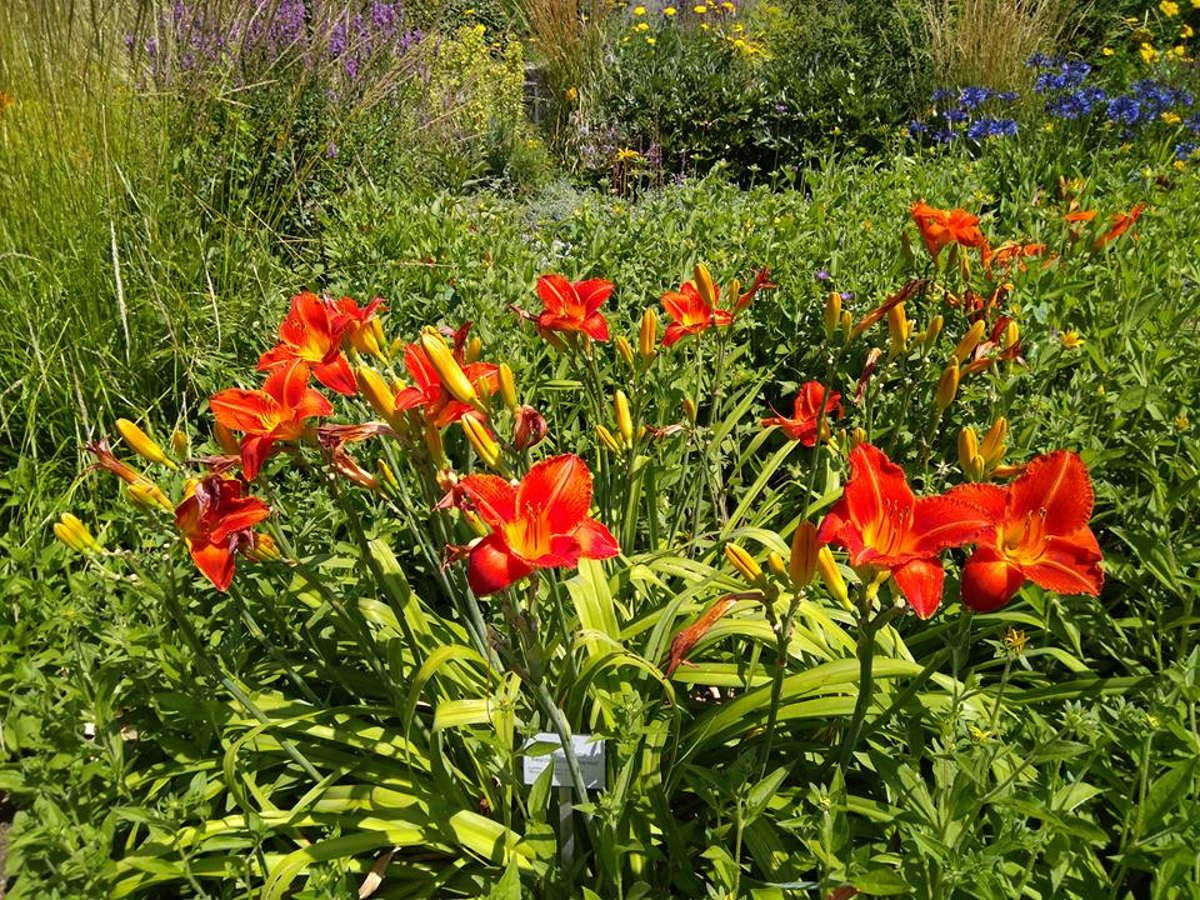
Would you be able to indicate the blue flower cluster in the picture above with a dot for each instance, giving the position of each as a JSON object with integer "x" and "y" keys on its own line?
{"x": 1146, "y": 101}
{"x": 957, "y": 113}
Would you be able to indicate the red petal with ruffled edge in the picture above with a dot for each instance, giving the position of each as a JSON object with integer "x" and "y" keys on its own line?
{"x": 943, "y": 522}
{"x": 1057, "y": 482}
{"x": 593, "y": 293}
{"x": 595, "y": 326}
{"x": 877, "y": 487}
{"x": 494, "y": 498}
{"x": 242, "y": 410}
{"x": 491, "y": 567}
{"x": 561, "y": 487}
{"x": 1069, "y": 565}
{"x": 558, "y": 295}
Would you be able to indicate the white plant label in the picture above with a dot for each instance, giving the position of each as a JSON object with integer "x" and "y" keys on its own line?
{"x": 588, "y": 750}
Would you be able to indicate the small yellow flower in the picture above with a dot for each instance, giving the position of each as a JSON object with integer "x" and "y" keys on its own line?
{"x": 1186, "y": 32}
{"x": 651, "y": 41}
{"x": 1071, "y": 340}
{"x": 1178, "y": 51}
{"x": 669, "y": 11}
{"x": 1169, "y": 8}
{"x": 639, "y": 10}
{"x": 979, "y": 735}
{"x": 1148, "y": 53}
{"x": 704, "y": 26}
{"x": 1108, "y": 51}
{"x": 1181, "y": 422}
{"x": 572, "y": 94}
{"x": 1015, "y": 640}
{"x": 1179, "y": 165}
{"x": 727, "y": 6}
{"x": 1171, "y": 118}
{"x": 628, "y": 154}
{"x": 868, "y": 225}
{"x": 1049, "y": 126}
{"x": 642, "y": 26}
{"x": 699, "y": 9}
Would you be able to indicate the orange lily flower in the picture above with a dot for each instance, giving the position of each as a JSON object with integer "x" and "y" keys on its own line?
{"x": 571, "y": 306}
{"x": 278, "y": 412}
{"x": 690, "y": 313}
{"x": 312, "y": 333}
{"x": 1121, "y": 223}
{"x": 885, "y": 527}
{"x": 215, "y": 520}
{"x": 939, "y": 228}
{"x": 1039, "y": 532}
{"x": 802, "y": 426}
{"x": 429, "y": 394}
{"x": 541, "y": 523}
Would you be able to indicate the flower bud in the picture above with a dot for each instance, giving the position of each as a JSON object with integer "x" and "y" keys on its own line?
{"x": 141, "y": 444}
{"x": 649, "y": 334}
{"x": 433, "y": 443}
{"x": 803, "y": 564}
{"x": 625, "y": 349}
{"x": 847, "y": 324}
{"x": 449, "y": 372}
{"x": 624, "y": 420}
{"x": 396, "y": 346}
{"x": 372, "y": 386}
{"x": 969, "y": 459}
{"x": 481, "y": 440}
{"x": 969, "y": 341}
{"x": 833, "y": 314}
{"x": 72, "y": 532}
{"x": 704, "y": 285}
{"x": 389, "y": 477}
{"x": 474, "y": 522}
{"x": 992, "y": 448}
{"x": 776, "y": 564}
{"x": 933, "y": 332}
{"x": 606, "y": 438}
{"x": 148, "y": 495}
{"x": 226, "y": 439}
{"x": 689, "y": 409}
{"x": 858, "y": 436}
{"x": 530, "y": 428}
{"x": 743, "y": 562}
{"x": 947, "y": 387}
{"x": 508, "y": 387}
{"x": 180, "y": 444}
{"x": 831, "y": 575}
{"x": 899, "y": 329}
{"x": 1012, "y": 335}
{"x": 263, "y": 548}
{"x": 474, "y": 350}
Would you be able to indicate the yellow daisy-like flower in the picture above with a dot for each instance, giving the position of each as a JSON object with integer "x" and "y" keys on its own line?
{"x": 1178, "y": 51}
{"x": 1169, "y": 8}
{"x": 1108, "y": 51}
{"x": 1171, "y": 118}
{"x": 572, "y": 94}
{"x": 627, "y": 154}
{"x": 727, "y": 6}
{"x": 699, "y": 9}
{"x": 651, "y": 41}
{"x": 1186, "y": 32}
{"x": 1149, "y": 54}
{"x": 1071, "y": 340}
{"x": 639, "y": 10}
{"x": 1181, "y": 422}
{"x": 669, "y": 11}
{"x": 642, "y": 26}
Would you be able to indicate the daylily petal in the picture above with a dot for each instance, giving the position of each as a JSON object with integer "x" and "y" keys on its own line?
{"x": 1057, "y": 482}
{"x": 595, "y": 540}
{"x": 877, "y": 486}
{"x": 989, "y": 580}
{"x": 556, "y": 293}
{"x": 562, "y": 487}
{"x": 921, "y": 583}
{"x": 494, "y": 498}
{"x": 337, "y": 376}
{"x": 1069, "y": 565}
{"x": 941, "y": 522}
{"x": 240, "y": 409}
{"x": 595, "y": 326}
{"x": 593, "y": 293}
{"x": 256, "y": 449}
{"x": 564, "y": 553}
{"x": 673, "y": 333}
{"x": 491, "y": 567}
{"x": 214, "y": 561}
{"x": 313, "y": 403}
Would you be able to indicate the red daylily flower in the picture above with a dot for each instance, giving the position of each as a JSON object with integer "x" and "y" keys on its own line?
{"x": 939, "y": 227}
{"x": 215, "y": 520}
{"x": 884, "y": 526}
{"x": 428, "y": 394}
{"x": 802, "y": 426}
{"x": 1038, "y": 533}
{"x": 278, "y": 412}
{"x": 690, "y": 313}
{"x": 312, "y": 333}
{"x": 571, "y": 306}
{"x": 1121, "y": 223}
{"x": 542, "y": 523}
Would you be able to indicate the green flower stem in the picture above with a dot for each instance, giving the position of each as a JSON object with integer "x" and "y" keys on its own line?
{"x": 868, "y": 628}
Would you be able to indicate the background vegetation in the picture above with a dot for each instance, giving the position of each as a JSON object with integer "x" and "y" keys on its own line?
{"x": 158, "y": 210}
